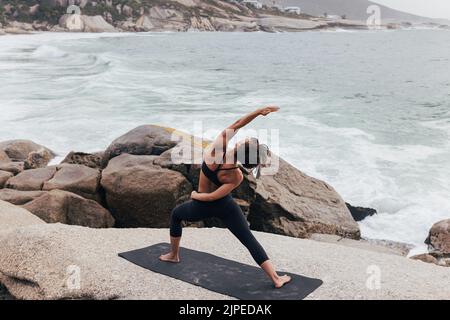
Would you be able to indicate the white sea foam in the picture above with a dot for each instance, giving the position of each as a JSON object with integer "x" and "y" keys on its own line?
{"x": 48, "y": 52}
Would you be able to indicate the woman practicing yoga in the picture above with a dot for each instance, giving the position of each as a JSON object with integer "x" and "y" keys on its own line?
{"x": 219, "y": 176}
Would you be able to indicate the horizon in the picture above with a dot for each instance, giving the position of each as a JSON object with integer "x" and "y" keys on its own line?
{"x": 438, "y": 9}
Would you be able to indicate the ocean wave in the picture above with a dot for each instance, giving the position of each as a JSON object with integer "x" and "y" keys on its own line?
{"x": 48, "y": 52}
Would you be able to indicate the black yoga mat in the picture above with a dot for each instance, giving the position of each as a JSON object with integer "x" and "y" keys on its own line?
{"x": 221, "y": 275}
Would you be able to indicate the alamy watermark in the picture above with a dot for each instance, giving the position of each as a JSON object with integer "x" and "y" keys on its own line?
{"x": 73, "y": 281}
{"x": 374, "y": 19}
{"x": 373, "y": 282}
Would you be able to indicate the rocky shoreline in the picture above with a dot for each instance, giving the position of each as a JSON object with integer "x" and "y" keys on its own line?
{"x": 140, "y": 178}
{"x": 266, "y": 23}
{"x": 22, "y": 17}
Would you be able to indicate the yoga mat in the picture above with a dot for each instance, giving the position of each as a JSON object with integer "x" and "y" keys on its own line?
{"x": 221, "y": 275}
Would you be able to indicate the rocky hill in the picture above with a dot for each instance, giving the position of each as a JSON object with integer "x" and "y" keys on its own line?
{"x": 352, "y": 9}
{"x": 18, "y": 16}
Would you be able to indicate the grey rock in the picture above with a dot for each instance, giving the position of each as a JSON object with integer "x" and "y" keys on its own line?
{"x": 4, "y": 176}
{"x": 13, "y": 167}
{"x": 143, "y": 140}
{"x": 292, "y": 203}
{"x": 360, "y": 213}
{"x": 69, "y": 208}
{"x": 76, "y": 178}
{"x": 91, "y": 160}
{"x": 141, "y": 194}
{"x": 425, "y": 257}
{"x": 4, "y": 157}
{"x": 18, "y": 197}
{"x": 38, "y": 159}
{"x": 439, "y": 237}
{"x": 83, "y": 23}
{"x": 31, "y": 180}
{"x": 380, "y": 246}
{"x": 18, "y": 150}
{"x": 12, "y": 217}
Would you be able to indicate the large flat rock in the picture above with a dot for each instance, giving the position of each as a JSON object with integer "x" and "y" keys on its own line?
{"x": 31, "y": 180}
{"x": 12, "y": 217}
{"x": 47, "y": 258}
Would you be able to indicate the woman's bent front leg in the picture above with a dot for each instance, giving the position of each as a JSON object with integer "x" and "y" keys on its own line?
{"x": 187, "y": 211}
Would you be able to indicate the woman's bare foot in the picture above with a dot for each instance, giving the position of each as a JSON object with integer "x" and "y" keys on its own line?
{"x": 170, "y": 257}
{"x": 281, "y": 281}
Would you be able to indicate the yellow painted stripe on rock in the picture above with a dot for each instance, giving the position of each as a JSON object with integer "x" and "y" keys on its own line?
{"x": 195, "y": 140}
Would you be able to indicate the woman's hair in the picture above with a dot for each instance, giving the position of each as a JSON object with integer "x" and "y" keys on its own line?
{"x": 252, "y": 154}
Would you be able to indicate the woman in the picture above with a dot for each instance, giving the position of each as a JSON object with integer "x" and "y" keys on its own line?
{"x": 219, "y": 176}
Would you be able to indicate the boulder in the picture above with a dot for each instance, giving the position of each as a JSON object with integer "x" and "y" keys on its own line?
{"x": 33, "y": 9}
{"x": 143, "y": 23}
{"x": 402, "y": 247}
{"x": 96, "y": 24}
{"x": 439, "y": 237}
{"x": 201, "y": 24}
{"x": 272, "y": 23}
{"x": 27, "y": 27}
{"x": 127, "y": 11}
{"x": 69, "y": 208}
{"x": 141, "y": 194}
{"x": 294, "y": 204}
{"x": 41, "y": 26}
{"x": 4, "y": 176}
{"x": 83, "y": 23}
{"x": 425, "y": 257}
{"x": 143, "y": 140}
{"x": 13, "y": 167}
{"x": 91, "y": 160}
{"x": 18, "y": 197}
{"x": 76, "y": 178}
{"x": 57, "y": 261}
{"x": 31, "y": 180}
{"x": 14, "y": 30}
{"x": 128, "y": 26}
{"x": 226, "y": 24}
{"x": 185, "y": 157}
{"x": 19, "y": 150}
{"x": 12, "y": 216}
{"x": 167, "y": 19}
{"x": 38, "y": 159}
{"x": 4, "y": 157}
{"x": 388, "y": 247}
{"x": 360, "y": 213}
{"x": 435, "y": 257}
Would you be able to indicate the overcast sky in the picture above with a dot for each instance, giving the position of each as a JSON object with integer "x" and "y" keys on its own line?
{"x": 429, "y": 8}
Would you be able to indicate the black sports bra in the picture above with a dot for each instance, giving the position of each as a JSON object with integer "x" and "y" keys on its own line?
{"x": 212, "y": 175}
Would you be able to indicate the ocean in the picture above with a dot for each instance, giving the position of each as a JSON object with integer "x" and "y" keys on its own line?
{"x": 366, "y": 111}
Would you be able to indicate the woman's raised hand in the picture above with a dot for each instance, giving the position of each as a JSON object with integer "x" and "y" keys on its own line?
{"x": 269, "y": 109}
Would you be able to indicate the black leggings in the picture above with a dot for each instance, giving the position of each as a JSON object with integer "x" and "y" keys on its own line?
{"x": 225, "y": 209}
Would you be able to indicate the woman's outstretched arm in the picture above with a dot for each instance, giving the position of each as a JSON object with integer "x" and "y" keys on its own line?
{"x": 219, "y": 145}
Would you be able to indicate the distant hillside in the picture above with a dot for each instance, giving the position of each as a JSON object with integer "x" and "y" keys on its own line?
{"x": 21, "y": 16}
{"x": 353, "y": 9}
